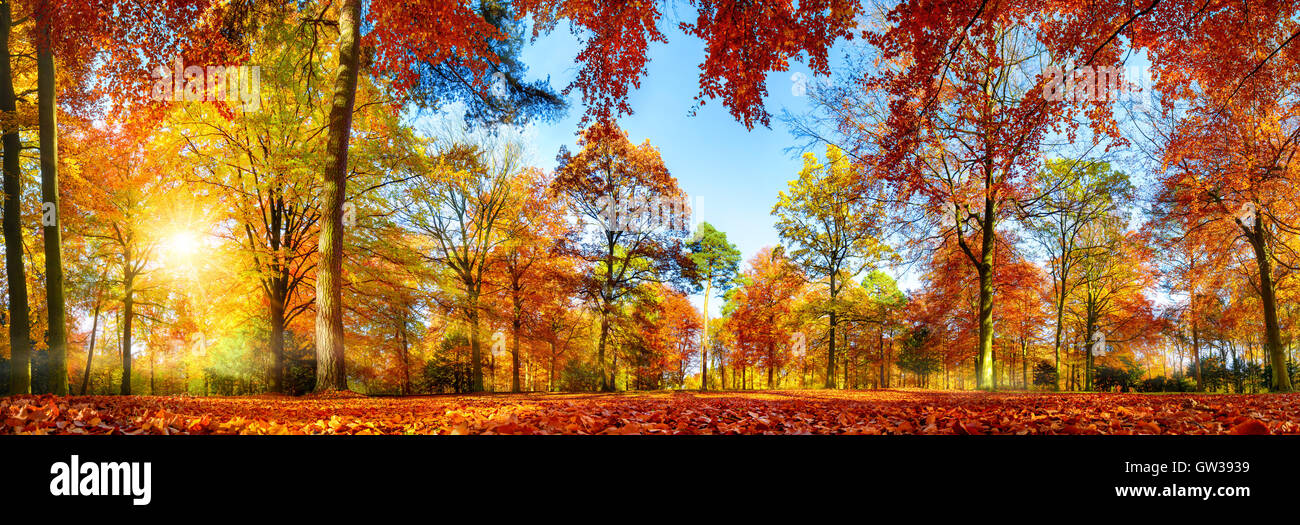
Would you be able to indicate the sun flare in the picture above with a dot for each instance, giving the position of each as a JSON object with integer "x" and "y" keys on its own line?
{"x": 179, "y": 248}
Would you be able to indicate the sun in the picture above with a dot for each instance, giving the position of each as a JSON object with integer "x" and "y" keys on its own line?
{"x": 180, "y": 247}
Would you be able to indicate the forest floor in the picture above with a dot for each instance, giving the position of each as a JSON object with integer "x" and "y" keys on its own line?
{"x": 751, "y": 412}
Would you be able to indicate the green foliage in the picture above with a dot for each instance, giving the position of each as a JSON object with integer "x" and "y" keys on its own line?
{"x": 1291, "y": 369}
{"x": 713, "y": 258}
{"x": 1177, "y": 383}
{"x": 916, "y": 357}
{"x": 1044, "y": 374}
{"x": 826, "y": 222}
{"x": 442, "y": 375}
{"x": 580, "y": 376}
{"x": 1108, "y": 378}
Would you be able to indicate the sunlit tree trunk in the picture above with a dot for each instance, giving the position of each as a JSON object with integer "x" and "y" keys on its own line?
{"x": 830, "y": 352}
{"x": 475, "y": 346}
{"x": 277, "y": 343}
{"x": 330, "y": 372}
{"x": 704, "y": 338}
{"x": 20, "y": 341}
{"x": 985, "y": 270}
{"x": 406, "y": 358}
{"x": 90, "y": 351}
{"x": 128, "y": 314}
{"x": 514, "y": 350}
{"x": 1281, "y": 380}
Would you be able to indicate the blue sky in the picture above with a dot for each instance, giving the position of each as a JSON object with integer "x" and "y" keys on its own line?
{"x": 732, "y": 174}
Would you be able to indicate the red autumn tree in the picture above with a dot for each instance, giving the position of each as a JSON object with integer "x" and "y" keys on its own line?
{"x": 762, "y": 310}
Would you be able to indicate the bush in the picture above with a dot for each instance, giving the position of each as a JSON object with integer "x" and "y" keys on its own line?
{"x": 578, "y": 376}
{"x": 1044, "y": 374}
{"x": 1155, "y": 384}
{"x": 1291, "y": 368}
{"x": 1166, "y": 384}
{"x": 1110, "y": 378}
{"x": 442, "y": 375}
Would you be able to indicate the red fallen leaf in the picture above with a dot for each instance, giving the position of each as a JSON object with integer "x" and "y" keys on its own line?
{"x": 1149, "y": 426}
{"x": 960, "y": 428}
{"x": 1250, "y": 427}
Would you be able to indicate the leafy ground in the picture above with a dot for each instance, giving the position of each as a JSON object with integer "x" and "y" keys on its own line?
{"x": 781, "y": 412}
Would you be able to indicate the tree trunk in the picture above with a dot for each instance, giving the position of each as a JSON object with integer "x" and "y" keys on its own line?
{"x": 475, "y": 348}
{"x": 277, "y": 343}
{"x": 514, "y": 351}
{"x": 830, "y": 351}
{"x": 1281, "y": 380}
{"x": 330, "y": 372}
{"x": 771, "y": 363}
{"x": 57, "y": 337}
{"x": 128, "y": 302}
{"x": 1196, "y": 354}
{"x": 90, "y": 352}
{"x": 1060, "y": 319}
{"x": 550, "y": 384}
{"x": 704, "y": 338}
{"x": 985, "y": 269}
{"x": 605, "y": 383}
{"x": 20, "y": 341}
{"x": 406, "y": 360}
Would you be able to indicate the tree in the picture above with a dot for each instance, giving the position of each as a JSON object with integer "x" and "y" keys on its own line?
{"x": 884, "y": 306}
{"x": 406, "y": 45}
{"x": 1072, "y": 195}
{"x": 948, "y": 105}
{"x": 534, "y": 231}
{"x": 57, "y": 335}
{"x": 459, "y": 205}
{"x": 256, "y": 161}
{"x": 131, "y": 196}
{"x": 715, "y": 262}
{"x": 763, "y": 308}
{"x": 330, "y": 372}
{"x": 639, "y": 220}
{"x": 831, "y": 229}
{"x": 20, "y": 343}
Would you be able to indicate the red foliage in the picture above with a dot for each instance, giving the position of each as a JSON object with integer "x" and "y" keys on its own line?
{"x": 776, "y": 412}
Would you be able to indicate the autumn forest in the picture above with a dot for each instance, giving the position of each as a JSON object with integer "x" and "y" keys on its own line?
{"x": 400, "y": 217}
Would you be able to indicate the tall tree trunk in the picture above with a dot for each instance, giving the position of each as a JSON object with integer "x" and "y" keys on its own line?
{"x": 514, "y": 349}
{"x": 704, "y": 338}
{"x": 475, "y": 349}
{"x": 985, "y": 270}
{"x": 406, "y": 359}
{"x": 830, "y": 351}
{"x": 20, "y": 340}
{"x": 1060, "y": 320}
{"x": 90, "y": 352}
{"x": 57, "y": 337}
{"x": 605, "y": 383}
{"x": 1090, "y": 326}
{"x": 128, "y": 303}
{"x": 1196, "y": 354}
{"x": 330, "y": 372}
{"x": 1281, "y": 380}
{"x": 550, "y": 384}
{"x": 771, "y": 363}
{"x": 277, "y": 341}
{"x": 884, "y": 358}
{"x": 1024, "y": 364}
